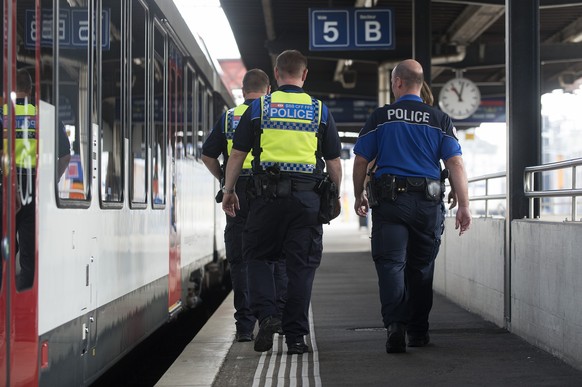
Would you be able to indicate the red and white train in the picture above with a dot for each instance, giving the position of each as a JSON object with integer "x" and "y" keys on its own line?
{"x": 126, "y": 238}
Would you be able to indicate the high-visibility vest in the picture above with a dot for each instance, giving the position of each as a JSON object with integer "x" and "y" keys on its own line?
{"x": 290, "y": 125}
{"x": 25, "y": 135}
{"x": 230, "y": 123}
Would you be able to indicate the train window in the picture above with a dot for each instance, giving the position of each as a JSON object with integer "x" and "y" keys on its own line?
{"x": 190, "y": 127}
{"x": 139, "y": 111}
{"x": 112, "y": 95}
{"x": 176, "y": 101}
{"x": 202, "y": 117}
{"x": 73, "y": 103}
{"x": 158, "y": 143}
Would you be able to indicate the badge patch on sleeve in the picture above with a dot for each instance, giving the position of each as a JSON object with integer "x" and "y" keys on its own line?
{"x": 292, "y": 111}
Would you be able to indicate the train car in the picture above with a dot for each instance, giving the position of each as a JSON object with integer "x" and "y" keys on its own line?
{"x": 126, "y": 229}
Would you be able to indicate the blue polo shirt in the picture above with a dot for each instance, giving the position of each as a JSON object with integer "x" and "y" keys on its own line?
{"x": 408, "y": 139}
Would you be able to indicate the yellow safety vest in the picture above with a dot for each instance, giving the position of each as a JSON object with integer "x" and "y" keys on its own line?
{"x": 25, "y": 135}
{"x": 230, "y": 123}
{"x": 289, "y": 124}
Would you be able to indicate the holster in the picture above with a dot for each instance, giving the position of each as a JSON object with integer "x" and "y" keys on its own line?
{"x": 329, "y": 194}
{"x": 270, "y": 185}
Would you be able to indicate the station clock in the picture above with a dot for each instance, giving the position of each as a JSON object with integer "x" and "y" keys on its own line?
{"x": 459, "y": 98}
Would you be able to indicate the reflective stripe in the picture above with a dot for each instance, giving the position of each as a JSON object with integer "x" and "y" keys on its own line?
{"x": 231, "y": 121}
{"x": 291, "y": 167}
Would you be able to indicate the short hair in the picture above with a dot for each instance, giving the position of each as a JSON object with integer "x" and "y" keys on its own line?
{"x": 255, "y": 81}
{"x": 408, "y": 75}
{"x": 23, "y": 81}
{"x": 291, "y": 62}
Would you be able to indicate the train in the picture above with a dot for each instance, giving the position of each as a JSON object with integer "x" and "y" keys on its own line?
{"x": 130, "y": 234}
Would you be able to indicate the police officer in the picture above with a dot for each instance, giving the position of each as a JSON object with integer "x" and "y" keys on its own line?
{"x": 255, "y": 84}
{"x": 289, "y": 133}
{"x": 408, "y": 139}
{"x": 25, "y": 149}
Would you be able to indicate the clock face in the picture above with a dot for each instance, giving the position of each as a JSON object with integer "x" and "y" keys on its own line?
{"x": 459, "y": 98}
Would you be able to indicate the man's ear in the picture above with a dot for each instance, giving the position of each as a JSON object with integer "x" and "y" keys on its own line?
{"x": 304, "y": 75}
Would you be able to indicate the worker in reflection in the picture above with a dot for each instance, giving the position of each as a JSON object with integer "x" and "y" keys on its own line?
{"x": 25, "y": 157}
{"x": 293, "y": 137}
{"x": 408, "y": 139}
{"x": 255, "y": 84}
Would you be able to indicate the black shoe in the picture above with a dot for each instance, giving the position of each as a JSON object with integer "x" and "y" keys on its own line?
{"x": 418, "y": 340}
{"x": 243, "y": 337}
{"x": 396, "y": 342}
{"x": 297, "y": 348}
{"x": 279, "y": 328}
{"x": 267, "y": 329}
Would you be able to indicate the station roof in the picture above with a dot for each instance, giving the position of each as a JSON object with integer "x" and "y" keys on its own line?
{"x": 467, "y": 37}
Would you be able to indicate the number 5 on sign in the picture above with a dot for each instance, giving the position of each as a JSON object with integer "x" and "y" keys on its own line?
{"x": 329, "y": 29}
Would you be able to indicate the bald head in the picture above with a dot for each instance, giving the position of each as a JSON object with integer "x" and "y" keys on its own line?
{"x": 407, "y": 78}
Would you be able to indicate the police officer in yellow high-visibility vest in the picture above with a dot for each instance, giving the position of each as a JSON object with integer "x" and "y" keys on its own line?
{"x": 255, "y": 84}
{"x": 25, "y": 156}
{"x": 293, "y": 137}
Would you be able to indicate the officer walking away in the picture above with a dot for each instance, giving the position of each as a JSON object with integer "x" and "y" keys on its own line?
{"x": 408, "y": 139}
{"x": 25, "y": 147}
{"x": 290, "y": 134}
{"x": 255, "y": 84}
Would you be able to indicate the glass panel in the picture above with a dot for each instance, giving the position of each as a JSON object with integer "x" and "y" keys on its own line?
{"x": 158, "y": 135}
{"x": 138, "y": 126}
{"x": 190, "y": 121}
{"x": 73, "y": 101}
{"x": 202, "y": 117}
{"x": 111, "y": 109}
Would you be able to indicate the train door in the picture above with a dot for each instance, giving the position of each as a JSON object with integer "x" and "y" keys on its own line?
{"x": 19, "y": 354}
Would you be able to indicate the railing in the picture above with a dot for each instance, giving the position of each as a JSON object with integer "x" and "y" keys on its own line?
{"x": 487, "y": 197}
{"x": 533, "y": 195}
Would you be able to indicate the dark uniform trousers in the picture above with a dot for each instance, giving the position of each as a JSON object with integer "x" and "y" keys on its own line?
{"x": 406, "y": 236}
{"x": 233, "y": 232}
{"x": 284, "y": 227}
{"x": 25, "y": 230}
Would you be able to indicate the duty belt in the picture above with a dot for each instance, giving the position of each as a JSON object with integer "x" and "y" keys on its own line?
{"x": 413, "y": 184}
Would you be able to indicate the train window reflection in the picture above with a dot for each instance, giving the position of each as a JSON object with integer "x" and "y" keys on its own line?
{"x": 190, "y": 126}
{"x": 112, "y": 110}
{"x": 73, "y": 106}
{"x": 138, "y": 107}
{"x": 202, "y": 117}
{"x": 159, "y": 116}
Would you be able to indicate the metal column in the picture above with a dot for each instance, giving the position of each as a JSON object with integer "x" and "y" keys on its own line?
{"x": 523, "y": 115}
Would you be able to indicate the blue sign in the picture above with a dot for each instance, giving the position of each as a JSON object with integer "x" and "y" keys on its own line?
{"x": 73, "y": 28}
{"x": 490, "y": 110}
{"x": 351, "y": 29}
{"x": 351, "y": 110}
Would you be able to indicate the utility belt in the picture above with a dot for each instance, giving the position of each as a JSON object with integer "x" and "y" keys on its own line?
{"x": 387, "y": 187}
{"x": 276, "y": 184}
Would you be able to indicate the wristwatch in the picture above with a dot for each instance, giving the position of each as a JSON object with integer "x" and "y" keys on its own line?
{"x": 227, "y": 191}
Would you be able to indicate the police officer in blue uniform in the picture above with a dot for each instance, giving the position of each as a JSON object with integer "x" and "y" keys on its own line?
{"x": 290, "y": 134}
{"x": 255, "y": 84}
{"x": 407, "y": 140}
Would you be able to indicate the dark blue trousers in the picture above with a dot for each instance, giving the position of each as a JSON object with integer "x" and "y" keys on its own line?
{"x": 245, "y": 320}
{"x": 406, "y": 236}
{"x": 284, "y": 227}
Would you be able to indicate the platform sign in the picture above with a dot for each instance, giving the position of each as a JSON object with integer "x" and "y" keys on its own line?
{"x": 73, "y": 28}
{"x": 351, "y": 29}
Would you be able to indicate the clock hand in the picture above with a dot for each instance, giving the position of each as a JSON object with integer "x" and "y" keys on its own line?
{"x": 461, "y": 92}
{"x": 453, "y": 88}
